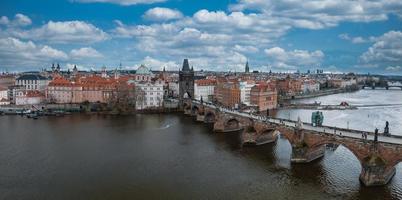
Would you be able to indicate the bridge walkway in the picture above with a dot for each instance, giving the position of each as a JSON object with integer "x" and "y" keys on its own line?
{"x": 355, "y": 134}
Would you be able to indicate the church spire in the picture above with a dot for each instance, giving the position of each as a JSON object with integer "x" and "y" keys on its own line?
{"x": 247, "y": 69}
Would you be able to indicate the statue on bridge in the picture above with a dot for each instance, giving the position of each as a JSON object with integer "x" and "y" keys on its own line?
{"x": 386, "y": 129}
{"x": 299, "y": 123}
{"x": 317, "y": 118}
{"x": 376, "y": 135}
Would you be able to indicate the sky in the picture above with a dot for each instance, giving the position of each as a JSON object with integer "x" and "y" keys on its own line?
{"x": 361, "y": 36}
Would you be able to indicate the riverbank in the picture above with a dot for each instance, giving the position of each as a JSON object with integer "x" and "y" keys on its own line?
{"x": 318, "y": 94}
{"x": 319, "y": 107}
{"x": 50, "y": 109}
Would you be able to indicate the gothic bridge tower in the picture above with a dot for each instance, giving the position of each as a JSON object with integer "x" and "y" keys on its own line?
{"x": 186, "y": 83}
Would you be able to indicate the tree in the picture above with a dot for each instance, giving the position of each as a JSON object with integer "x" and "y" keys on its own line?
{"x": 122, "y": 98}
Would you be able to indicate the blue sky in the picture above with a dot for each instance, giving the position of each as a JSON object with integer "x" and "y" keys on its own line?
{"x": 283, "y": 35}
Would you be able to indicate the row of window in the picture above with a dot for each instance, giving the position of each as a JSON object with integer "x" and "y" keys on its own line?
{"x": 151, "y": 93}
{"x": 158, "y": 88}
{"x": 29, "y": 82}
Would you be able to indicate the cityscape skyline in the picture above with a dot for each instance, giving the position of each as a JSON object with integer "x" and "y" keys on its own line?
{"x": 344, "y": 36}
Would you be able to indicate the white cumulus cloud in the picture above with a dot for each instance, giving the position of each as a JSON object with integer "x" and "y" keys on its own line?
{"x": 386, "y": 51}
{"x": 162, "y": 14}
{"x": 85, "y": 52}
{"x": 315, "y": 14}
{"x": 19, "y": 20}
{"x": 121, "y": 2}
{"x": 295, "y": 58}
{"x": 157, "y": 64}
{"x": 17, "y": 53}
{"x": 394, "y": 68}
{"x": 64, "y": 32}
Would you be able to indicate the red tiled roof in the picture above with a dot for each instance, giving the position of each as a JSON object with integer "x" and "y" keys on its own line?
{"x": 205, "y": 82}
{"x": 34, "y": 93}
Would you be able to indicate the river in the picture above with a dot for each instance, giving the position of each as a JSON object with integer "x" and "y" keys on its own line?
{"x": 173, "y": 157}
{"x": 365, "y": 118}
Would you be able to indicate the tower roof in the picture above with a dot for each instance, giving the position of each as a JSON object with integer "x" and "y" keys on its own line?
{"x": 143, "y": 70}
{"x": 186, "y": 66}
{"x": 247, "y": 68}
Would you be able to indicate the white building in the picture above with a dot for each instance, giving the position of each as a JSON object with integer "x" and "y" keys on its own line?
{"x": 342, "y": 83}
{"x": 13, "y": 91}
{"x": 3, "y": 93}
{"x": 173, "y": 89}
{"x": 349, "y": 83}
{"x": 245, "y": 91}
{"x": 29, "y": 98}
{"x": 204, "y": 88}
{"x": 149, "y": 94}
{"x": 4, "y": 96}
{"x": 32, "y": 82}
{"x": 310, "y": 86}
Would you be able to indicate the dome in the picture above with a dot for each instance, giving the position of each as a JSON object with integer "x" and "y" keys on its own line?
{"x": 143, "y": 70}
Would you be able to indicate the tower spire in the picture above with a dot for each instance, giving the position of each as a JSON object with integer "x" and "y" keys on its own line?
{"x": 186, "y": 66}
{"x": 247, "y": 68}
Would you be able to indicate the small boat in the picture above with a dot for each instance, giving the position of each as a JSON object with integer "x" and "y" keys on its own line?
{"x": 32, "y": 115}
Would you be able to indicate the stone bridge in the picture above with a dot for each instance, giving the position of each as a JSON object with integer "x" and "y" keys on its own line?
{"x": 378, "y": 159}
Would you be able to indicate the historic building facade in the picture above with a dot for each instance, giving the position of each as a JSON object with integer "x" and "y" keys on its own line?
{"x": 264, "y": 96}
{"x": 204, "y": 88}
{"x": 32, "y": 82}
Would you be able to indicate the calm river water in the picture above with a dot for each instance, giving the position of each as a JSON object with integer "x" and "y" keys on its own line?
{"x": 173, "y": 157}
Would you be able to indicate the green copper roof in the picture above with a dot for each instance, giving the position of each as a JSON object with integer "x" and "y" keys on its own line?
{"x": 143, "y": 70}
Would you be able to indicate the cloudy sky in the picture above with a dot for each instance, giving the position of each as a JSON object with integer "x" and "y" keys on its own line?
{"x": 280, "y": 35}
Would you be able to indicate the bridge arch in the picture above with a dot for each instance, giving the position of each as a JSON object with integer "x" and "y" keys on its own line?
{"x": 186, "y": 106}
{"x": 269, "y": 131}
{"x": 267, "y": 135}
{"x": 232, "y": 124}
{"x": 357, "y": 154}
{"x": 210, "y": 117}
{"x": 195, "y": 110}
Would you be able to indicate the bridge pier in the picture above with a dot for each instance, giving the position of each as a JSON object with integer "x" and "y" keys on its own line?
{"x": 253, "y": 138}
{"x": 375, "y": 172}
{"x": 305, "y": 154}
{"x": 200, "y": 117}
{"x": 187, "y": 111}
